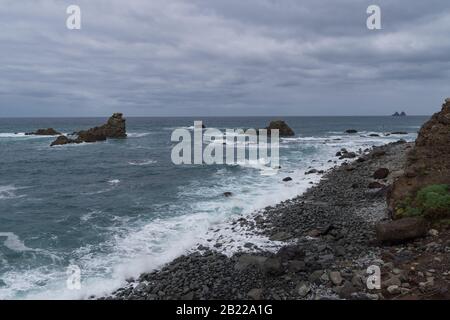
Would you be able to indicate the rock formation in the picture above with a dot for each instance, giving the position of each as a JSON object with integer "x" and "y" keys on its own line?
{"x": 44, "y": 132}
{"x": 428, "y": 162}
{"x": 284, "y": 129}
{"x": 115, "y": 128}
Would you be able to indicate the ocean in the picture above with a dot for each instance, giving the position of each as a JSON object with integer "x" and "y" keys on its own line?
{"x": 119, "y": 208}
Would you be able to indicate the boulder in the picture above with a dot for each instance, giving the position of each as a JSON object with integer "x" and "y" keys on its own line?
{"x": 375, "y": 185}
{"x": 246, "y": 261}
{"x": 351, "y": 131}
{"x": 291, "y": 252}
{"x": 44, "y": 132}
{"x": 348, "y": 155}
{"x": 401, "y": 230}
{"x": 381, "y": 173}
{"x": 284, "y": 129}
{"x": 272, "y": 266}
{"x": 255, "y": 294}
{"x": 227, "y": 194}
{"x": 287, "y": 179}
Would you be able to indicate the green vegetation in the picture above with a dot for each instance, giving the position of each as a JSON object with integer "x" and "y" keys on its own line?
{"x": 431, "y": 202}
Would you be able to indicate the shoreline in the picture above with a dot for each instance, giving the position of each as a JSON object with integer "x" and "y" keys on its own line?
{"x": 326, "y": 244}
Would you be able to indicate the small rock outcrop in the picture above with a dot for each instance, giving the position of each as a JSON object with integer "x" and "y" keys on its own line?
{"x": 114, "y": 128}
{"x": 284, "y": 129}
{"x": 351, "y": 131}
{"x": 401, "y": 114}
{"x": 44, "y": 132}
{"x": 428, "y": 162}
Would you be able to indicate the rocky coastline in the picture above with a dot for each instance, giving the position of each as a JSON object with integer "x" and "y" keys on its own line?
{"x": 328, "y": 239}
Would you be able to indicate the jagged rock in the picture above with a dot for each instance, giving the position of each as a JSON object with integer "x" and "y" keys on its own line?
{"x": 429, "y": 160}
{"x": 44, "y": 132}
{"x": 401, "y": 230}
{"x": 381, "y": 173}
{"x": 284, "y": 129}
{"x": 227, "y": 194}
{"x": 62, "y": 140}
{"x": 114, "y": 128}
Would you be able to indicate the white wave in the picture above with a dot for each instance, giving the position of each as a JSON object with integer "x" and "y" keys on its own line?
{"x": 142, "y": 162}
{"x": 137, "y": 134}
{"x": 20, "y": 135}
{"x": 9, "y": 192}
{"x": 114, "y": 181}
{"x": 13, "y": 242}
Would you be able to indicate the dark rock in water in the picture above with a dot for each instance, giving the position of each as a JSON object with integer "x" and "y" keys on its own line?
{"x": 114, "y": 128}
{"x": 351, "y": 131}
{"x": 62, "y": 140}
{"x": 348, "y": 155}
{"x": 381, "y": 173}
{"x": 287, "y": 179}
{"x": 374, "y": 135}
{"x": 227, "y": 194}
{"x": 311, "y": 171}
{"x": 361, "y": 159}
{"x": 402, "y": 114}
{"x": 284, "y": 129}
{"x": 401, "y": 230}
{"x": 375, "y": 185}
{"x": 44, "y": 132}
{"x": 399, "y": 132}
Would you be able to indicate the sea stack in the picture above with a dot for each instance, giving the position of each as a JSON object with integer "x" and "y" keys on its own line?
{"x": 115, "y": 128}
{"x": 284, "y": 129}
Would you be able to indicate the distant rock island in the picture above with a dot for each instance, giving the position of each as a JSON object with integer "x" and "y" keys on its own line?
{"x": 284, "y": 129}
{"x": 401, "y": 114}
{"x": 115, "y": 128}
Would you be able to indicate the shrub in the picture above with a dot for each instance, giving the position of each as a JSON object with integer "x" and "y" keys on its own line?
{"x": 432, "y": 202}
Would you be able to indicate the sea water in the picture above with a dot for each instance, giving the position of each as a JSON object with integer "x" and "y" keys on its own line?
{"x": 121, "y": 207}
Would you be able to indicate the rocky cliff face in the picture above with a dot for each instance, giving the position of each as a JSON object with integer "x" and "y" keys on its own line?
{"x": 428, "y": 162}
{"x": 115, "y": 128}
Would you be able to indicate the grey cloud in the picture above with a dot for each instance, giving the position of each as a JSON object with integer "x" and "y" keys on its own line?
{"x": 206, "y": 57}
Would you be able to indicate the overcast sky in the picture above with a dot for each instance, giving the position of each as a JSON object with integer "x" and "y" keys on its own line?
{"x": 223, "y": 57}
